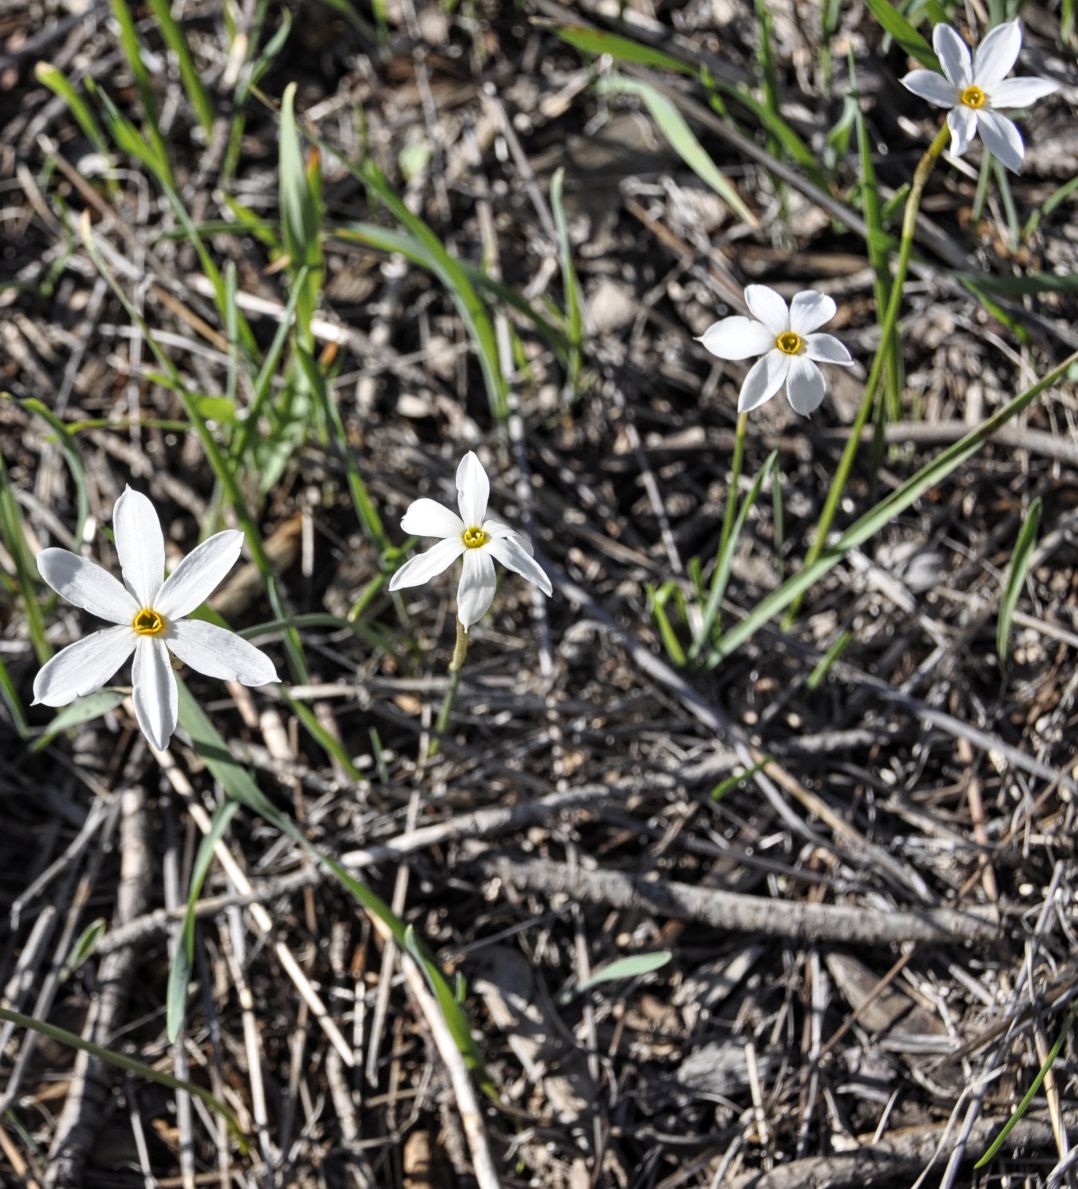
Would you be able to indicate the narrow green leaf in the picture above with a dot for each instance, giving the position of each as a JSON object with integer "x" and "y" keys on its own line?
{"x": 81, "y": 710}
{"x": 240, "y": 786}
{"x": 128, "y": 1065}
{"x": 84, "y": 946}
{"x": 1016, "y": 578}
{"x": 632, "y": 966}
{"x": 883, "y": 513}
{"x": 895, "y": 24}
{"x": 624, "y": 49}
{"x": 724, "y": 562}
{"x": 183, "y": 957}
{"x": 174, "y": 38}
{"x": 824, "y": 664}
{"x": 673, "y": 126}
{"x": 574, "y": 316}
{"x": 1028, "y": 1097}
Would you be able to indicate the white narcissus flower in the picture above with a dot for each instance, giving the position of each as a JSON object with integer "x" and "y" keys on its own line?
{"x": 975, "y": 90}
{"x": 148, "y": 611}
{"x": 786, "y": 338}
{"x": 471, "y": 535}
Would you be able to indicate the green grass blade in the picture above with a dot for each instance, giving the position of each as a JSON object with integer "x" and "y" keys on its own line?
{"x": 66, "y": 441}
{"x": 1023, "y": 1106}
{"x": 623, "y": 49}
{"x": 449, "y": 271}
{"x": 724, "y": 562}
{"x": 574, "y": 317}
{"x": 83, "y": 949}
{"x": 632, "y": 966}
{"x": 82, "y": 710}
{"x": 50, "y": 77}
{"x": 883, "y": 513}
{"x": 183, "y": 958}
{"x": 892, "y": 22}
{"x": 240, "y": 786}
{"x": 192, "y": 82}
{"x": 9, "y": 695}
{"x": 1016, "y": 578}
{"x": 13, "y": 535}
{"x": 132, "y": 51}
{"x": 128, "y": 1065}
{"x": 673, "y": 126}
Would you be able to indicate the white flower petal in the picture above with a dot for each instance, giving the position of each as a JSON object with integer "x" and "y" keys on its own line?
{"x": 1002, "y": 139}
{"x": 805, "y": 386}
{"x": 927, "y": 84}
{"x": 154, "y": 694}
{"x": 737, "y": 338}
{"x": 496, "y": 528}
{"x": 810, "y": 310}
{"x": 140, "y": 545}
{"x": 473, "y": 490}
{"x": 199, "y": 574}
{"x": 827, "y": 349}
{"x": 1021, "y": 92}
{"x": 428, "y": 518}
{"x": 475, "y": 591}
{"x": 768, "y": 307}
{"x": 963, "y": 125}
{"x": 425, "y": 566}
{"x": 219, "y": 653}
{"x": 82, "y": 667}
{"x": 953, "y": 54}
{"x": 996, "y": 55}
{"x": 765, "y": 378}
{"x": 87, "y": 585}
{"x": 509, "y": 553}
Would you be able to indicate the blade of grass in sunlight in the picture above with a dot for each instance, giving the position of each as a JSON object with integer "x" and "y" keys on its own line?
{"x": 725, "y": 560}
{"x": 132, "y": 51}
{"x": 9, "y": 695}
{"x": 385, "y": 239}
{"x": 81, "y": 710}
{"x": 1030, "y": 1094}
{"x": 673, "y": 126}
{"x": 883, "y": 513}
{"x": 174, "y": 38}
{"x": 83, "y": 948}
{"x": 632, "y": 966}
{"x": 658, "y": 597}
{"x": 574, "y": 317}
{"x": 183, "y": 957}
{"x": 824, "y": 665}
{"x": 301, "y": 218}
{"x": 72, "y": 458}
{"x": 467, "y": 301}
{"x": 878, "y": 244}
{"x": 240, "y": 786}
{"x": 1016, "y": 578}
{"x": 623, "y": 49}
{"x": 13, "y": 535}
{"x": 893, "y": 23}
{"x": 214, "y": 456}
{"x": 1048, "y": 207}
{"x": 49, "y": 76}
{"x": 128, "y": 1065}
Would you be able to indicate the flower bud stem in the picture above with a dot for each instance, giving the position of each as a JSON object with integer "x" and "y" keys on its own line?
{"x": 887, "y": 326}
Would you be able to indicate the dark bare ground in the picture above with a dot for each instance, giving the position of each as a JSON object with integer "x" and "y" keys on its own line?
{"x": 904, "y": 957}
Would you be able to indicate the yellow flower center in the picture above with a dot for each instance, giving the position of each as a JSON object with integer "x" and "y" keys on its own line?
{"x": 973, "y": 97}
{"x": 149, "y": 622}
{"x": 475, "y": 537}
{"x": 790, "y": 343}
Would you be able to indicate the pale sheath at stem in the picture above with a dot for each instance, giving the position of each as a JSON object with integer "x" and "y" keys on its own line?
{"x": 473, "y": 535}
{"x": 149, "y": 612}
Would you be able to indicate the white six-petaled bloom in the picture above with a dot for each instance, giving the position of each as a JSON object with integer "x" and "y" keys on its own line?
{"x": 785, "y": 337}
{"x": 148, "y": 611}
{"x": 471, "y": 535}
{"x": 973, "y": 91}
